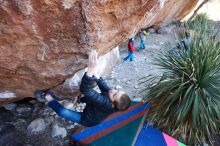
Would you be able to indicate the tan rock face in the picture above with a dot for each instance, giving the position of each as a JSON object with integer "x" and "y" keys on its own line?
{"x": 44, "y": 42}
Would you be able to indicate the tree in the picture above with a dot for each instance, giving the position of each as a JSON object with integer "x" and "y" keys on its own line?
{"x": 199, "y": 7}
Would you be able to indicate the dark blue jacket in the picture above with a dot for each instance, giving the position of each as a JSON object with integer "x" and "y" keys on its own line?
{"x": 98, "y": 105}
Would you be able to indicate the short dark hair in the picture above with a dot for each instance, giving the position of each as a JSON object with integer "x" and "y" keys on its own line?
{"x": 123, "y": 103}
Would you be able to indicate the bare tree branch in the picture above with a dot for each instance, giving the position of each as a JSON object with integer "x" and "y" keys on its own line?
{"x": 199, "y": 7}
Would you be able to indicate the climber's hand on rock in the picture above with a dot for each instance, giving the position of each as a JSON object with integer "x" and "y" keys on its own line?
{"x": 97, "y": 75}
{"x": 93, "y": 58}
{"x": 92, "y": 64}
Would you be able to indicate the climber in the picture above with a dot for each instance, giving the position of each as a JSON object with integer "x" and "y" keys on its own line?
{"x": 131, "y": 50}
{"x": 142, "y": 40}
{"x": 98, "y": 105}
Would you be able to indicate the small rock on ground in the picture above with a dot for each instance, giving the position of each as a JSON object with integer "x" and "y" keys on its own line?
{"x": 118, "y": 87}
{"x": 36, "y": 126}
{"x": 10, "y": 107}
{"x": 58, "y": 131}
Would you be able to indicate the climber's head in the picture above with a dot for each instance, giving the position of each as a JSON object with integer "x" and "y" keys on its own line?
{"x": 131, "y": 39}
{"x": 120, "y": 99}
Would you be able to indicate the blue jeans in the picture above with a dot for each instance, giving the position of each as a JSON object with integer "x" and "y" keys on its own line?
{"x": 130, "y": 56}
{"x": 142, "y": 45}
{"x": 65, "y": 113}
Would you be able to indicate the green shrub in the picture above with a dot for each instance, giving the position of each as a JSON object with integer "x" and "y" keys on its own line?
{"x": 200, "y": 23}
{"x": 186, "y": 99}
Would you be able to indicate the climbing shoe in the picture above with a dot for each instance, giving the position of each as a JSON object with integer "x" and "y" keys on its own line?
{"x": 40, "y": 95}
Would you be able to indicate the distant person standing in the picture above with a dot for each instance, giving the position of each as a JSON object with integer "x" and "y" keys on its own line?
{"x": 182, "y": 46}
{"x": 142, "y": 36}
{"x": 142, "y": 41}
{"x": 131, "y": 50}
{"x": 187, "y": 41}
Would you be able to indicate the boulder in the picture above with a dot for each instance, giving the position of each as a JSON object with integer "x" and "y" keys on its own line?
{"x": 46, "y": 43}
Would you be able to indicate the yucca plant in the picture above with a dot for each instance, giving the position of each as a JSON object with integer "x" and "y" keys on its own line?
{"x": 186, "y": 99}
